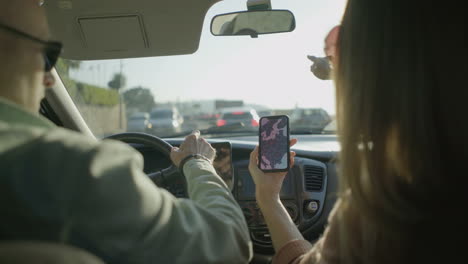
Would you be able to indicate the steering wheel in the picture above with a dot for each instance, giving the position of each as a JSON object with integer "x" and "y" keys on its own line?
{"x": 162, "y": 177}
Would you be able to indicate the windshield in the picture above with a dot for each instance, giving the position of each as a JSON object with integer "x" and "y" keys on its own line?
{"x": 270, "y": 75}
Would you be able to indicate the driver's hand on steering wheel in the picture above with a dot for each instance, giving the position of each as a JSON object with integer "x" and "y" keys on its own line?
{"x": 193, "y": 144}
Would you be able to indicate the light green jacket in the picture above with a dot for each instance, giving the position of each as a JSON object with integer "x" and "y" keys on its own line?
{"x": 58, "y": 185}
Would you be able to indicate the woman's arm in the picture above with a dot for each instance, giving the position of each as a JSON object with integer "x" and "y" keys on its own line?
{"x": 287, "y": 240}
{"x": 282, "y": 228}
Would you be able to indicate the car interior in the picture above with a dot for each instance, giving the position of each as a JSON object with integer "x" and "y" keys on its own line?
{"x": 113, "y": 36}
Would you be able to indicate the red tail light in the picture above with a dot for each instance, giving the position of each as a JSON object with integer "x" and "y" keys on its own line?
{"x": 254, "y": 122}
{"x": 221, "y": 122}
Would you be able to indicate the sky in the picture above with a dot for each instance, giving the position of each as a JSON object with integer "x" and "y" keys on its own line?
{"x": 271, "y": 70}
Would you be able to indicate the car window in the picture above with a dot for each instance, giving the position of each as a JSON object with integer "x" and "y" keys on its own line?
{"x": 269, "y": 72}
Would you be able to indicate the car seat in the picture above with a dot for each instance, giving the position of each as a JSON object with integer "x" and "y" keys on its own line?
{"x": 37, "y": 252}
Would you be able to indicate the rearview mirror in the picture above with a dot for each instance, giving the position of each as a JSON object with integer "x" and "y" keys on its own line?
{"x": 253, "y": 23}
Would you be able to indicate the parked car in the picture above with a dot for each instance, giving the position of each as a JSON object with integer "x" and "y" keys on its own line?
{"x": 309, "y": 120}
{"x": 138, "y": 122}
{"x": 246, "y": 117}
{"x": 165, "y": 122}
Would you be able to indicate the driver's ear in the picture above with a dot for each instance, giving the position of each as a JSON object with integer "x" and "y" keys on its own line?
{"x": 331, "y": 42}
{"x": 49, "y": 80}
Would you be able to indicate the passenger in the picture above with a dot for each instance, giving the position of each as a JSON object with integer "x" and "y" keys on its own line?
{"x": 400, "y": 74}
{"x": 58, "y": 185}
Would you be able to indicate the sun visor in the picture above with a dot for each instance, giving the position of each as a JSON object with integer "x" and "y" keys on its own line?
{"x": 115, "y": 29}
{"x": 113, "y": 34}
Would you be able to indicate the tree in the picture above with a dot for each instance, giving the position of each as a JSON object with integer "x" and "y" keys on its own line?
{"x": 63, "y": 66}
{"x": 139, "y": 98}
{"x": 118, "y": 81}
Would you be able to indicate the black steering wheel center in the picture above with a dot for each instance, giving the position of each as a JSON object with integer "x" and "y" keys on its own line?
{"x": 163, "y": 177}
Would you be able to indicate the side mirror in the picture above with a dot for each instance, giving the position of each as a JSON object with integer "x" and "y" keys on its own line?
{"x": 253, "y": 23}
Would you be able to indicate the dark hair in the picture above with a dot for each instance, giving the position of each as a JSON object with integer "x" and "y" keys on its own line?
{"x": 400, "y": 79}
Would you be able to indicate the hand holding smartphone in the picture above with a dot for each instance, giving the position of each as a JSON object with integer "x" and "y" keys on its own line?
{"x": 273, "y": 154}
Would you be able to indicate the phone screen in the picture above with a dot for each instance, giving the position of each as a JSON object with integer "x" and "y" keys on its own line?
{"x": 273, "y": 152}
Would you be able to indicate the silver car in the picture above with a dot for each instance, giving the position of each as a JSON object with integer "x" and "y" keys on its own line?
{"x": 138, "y": 122}
{"x": 309, "y": 120}
{"x": 165, "y": 122}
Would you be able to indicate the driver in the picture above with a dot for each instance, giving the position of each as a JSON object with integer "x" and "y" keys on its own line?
{"x": 60, "y": 186}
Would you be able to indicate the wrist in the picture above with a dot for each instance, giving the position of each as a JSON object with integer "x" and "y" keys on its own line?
{"x": 267, "y": 199}
{"x": 190, "y": 157}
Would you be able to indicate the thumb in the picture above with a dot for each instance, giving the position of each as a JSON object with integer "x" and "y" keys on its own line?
{"x": 253, "y": 158}
{"x": 312, "y": 58}
{"x": 174, "y": 151}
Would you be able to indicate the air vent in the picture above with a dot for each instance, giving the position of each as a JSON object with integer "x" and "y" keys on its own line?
{"x": 313, "y": 177}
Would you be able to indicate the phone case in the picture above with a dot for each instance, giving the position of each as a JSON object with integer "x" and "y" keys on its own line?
{"x": 260, "y": 144}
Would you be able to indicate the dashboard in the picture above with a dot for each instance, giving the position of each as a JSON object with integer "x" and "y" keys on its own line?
{"x": 308, "y": 191}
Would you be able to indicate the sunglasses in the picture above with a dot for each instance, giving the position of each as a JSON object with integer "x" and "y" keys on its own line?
{"x": 51, "y": 50}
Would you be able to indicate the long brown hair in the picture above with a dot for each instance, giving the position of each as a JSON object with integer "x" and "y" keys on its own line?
{"x": 401, "y": 97}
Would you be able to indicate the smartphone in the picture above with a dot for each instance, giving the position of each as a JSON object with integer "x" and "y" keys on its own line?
{"x": 273, "y": 153}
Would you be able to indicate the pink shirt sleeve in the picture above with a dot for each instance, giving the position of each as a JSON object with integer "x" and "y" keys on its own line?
{"x": 324, "y": 251}
{"x": 292, "y": 252}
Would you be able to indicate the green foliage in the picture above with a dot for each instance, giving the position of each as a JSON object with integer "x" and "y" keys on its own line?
{"x": 96, "y": 95}
{"x": 82, "y": 93}
{"x": 118, "y": 81}
{"x": 139, "y": 98}
{"x": 64, "y": 66}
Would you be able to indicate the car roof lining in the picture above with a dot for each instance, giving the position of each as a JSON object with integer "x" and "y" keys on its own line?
{"x": 116, "y": 29}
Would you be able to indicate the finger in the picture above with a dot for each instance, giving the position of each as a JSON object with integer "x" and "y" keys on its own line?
{"x": 205, "y": 149}
{"x": 173, "y": 155}
{"x": 312, "y": 58}
{"x": 196, "y": 133}
{"x": 203, "y": 142}
{"x": 190, "y": 144}
{"x": 174, "y": 151}
{"x": 212, "y": 148}
{"x": 254, "y": 154}
{"x": 191, "y": 137}
{"x": 202, "y": 145}
{"x": 254, "y": 157}
{"x": 292, "y": 155}
{"x": 208, "y": 145}
{"x": 292, "y": 142}
{"x": 182, "y": 145}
